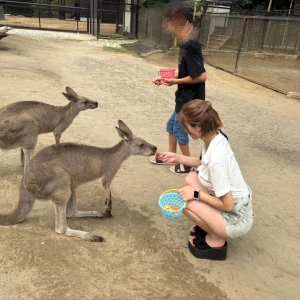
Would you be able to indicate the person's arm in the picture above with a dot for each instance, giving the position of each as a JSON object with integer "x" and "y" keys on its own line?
{"x": 190, "y": 80}
{"x": 170, "y": 157}
{"x": 186, "y": 80}
{"x": 219, "y": 178}
{"x": 223, "y": 203}
{"x": 176, "y": 74}
{"x": 158, "y": 80}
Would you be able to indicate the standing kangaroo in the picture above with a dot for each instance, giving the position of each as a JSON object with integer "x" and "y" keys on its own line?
{"x": 56, "y": 171}
{"x": 22, "y": 122}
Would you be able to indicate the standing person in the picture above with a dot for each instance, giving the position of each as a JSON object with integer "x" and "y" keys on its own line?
{"x": 190, "y": 76}
{"x": 218, "y": 199}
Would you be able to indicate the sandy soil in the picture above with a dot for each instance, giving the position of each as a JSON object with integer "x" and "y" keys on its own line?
{"x": 144, "y": 255}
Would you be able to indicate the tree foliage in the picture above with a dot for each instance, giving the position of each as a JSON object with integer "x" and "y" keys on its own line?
{"x": 152, "y": 2}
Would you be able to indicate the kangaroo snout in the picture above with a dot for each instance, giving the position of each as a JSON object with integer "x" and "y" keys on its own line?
{"x": 154, "y": 149}
{"x": 95, "y": 104}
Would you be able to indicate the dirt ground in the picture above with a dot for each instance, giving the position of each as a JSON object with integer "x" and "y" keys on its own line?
{"x": 144, "y": 256}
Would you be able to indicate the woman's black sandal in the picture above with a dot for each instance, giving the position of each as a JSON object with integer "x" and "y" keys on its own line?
{"x": 202, "y": 250}
{"x": 198, "y": 231}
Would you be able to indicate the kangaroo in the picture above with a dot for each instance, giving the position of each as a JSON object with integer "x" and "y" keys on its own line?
{"x": 22, "y": 122}
{"x": 56, "y": 171}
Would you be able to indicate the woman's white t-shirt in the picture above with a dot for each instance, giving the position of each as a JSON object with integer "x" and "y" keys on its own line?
{"x": 219, "y": 171}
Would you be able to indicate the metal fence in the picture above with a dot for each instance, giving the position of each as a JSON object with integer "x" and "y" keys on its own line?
{"x": 37, "y": 15}
{"x": 102, "y": 18}
{"x": 265, "y": 50}
{"x": 113, "y": 19}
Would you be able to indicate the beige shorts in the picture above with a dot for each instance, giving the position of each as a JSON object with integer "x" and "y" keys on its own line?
{"x": 240, "y": 222}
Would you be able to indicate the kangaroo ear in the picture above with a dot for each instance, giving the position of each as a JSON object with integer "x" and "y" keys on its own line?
{"x": 70, "y": 97}
{"x": 71, "y": 91}
{"x": 70, "y": 94}
{"x": 123, "y": 135}
{"x": 124, "y": 127}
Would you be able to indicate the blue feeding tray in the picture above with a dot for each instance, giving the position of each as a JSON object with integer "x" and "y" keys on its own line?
{"x": 171, "y": 198}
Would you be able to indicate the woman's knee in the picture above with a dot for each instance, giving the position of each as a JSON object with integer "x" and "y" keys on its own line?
{"x": 192, "y": 180}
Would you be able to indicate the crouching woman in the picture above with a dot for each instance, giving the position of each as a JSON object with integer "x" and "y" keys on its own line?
{"x": 219, "y": 201}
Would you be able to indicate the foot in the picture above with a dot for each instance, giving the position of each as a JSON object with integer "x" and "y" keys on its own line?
{"x": 197, "y": 231}
{"x": 181, "y": 169}
{"x": 191, "y": 240}
{"x": 85, "y": 214}
{"x": 201, "y": 243}
{"x": 108, "y": 214}
{"x": 80, "y": 234}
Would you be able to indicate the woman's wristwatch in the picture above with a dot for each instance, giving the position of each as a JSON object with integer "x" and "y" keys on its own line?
{"x": 197, "y": 195}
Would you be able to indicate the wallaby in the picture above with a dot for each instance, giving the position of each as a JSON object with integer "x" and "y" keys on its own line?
{"x": 22, "y": 122}
{"x": 56, "y": 171}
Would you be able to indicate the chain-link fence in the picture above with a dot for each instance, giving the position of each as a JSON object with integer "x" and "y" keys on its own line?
{"x": 263, "y": 49}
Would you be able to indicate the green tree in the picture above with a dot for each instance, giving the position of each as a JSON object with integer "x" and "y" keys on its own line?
{"x": 152, "y": 2}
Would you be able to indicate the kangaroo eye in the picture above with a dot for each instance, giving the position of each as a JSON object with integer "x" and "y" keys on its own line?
{"x": 85, "y": 102}
{"x": 142, "y": 145}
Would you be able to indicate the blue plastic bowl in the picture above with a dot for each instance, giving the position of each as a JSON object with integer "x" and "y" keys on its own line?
{"x": 173, "y": 199}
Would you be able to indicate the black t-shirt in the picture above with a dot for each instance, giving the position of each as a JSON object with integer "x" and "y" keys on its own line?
{"x": 190, "y": 64}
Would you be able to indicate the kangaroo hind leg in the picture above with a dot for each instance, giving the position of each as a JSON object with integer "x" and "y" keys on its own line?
{"x": 60, "y": 199}
{"x": 72, "y": 211}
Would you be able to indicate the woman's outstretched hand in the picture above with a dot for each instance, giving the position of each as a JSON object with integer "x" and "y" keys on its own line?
{"x": 168, "y": 157}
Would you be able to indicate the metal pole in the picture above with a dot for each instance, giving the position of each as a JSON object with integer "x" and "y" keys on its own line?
{"x": 100, "y": 18}
{"x": 39, "y": 13}
{"x": 98, "y": 25}
{"x": 77, "y": 23}
{"x": 137, "y": 21}
{"x": 290, "y": 10}
{"x": 241, "y": 45}
{"x": 88, "y": 18}
{"x": 118, "y": 13}
{"x": 93, "y": 15}
{"x": 269, "y": 8}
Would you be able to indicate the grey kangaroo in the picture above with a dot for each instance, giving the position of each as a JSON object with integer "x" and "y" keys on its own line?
{"x": 56, "y": 171}
{"x": 22, "y": 122}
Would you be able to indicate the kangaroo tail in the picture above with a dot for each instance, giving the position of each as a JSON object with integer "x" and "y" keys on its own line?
{"x": 26, "y": 201}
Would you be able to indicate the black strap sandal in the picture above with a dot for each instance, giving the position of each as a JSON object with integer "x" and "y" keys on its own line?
{"x": 198, "y": 232}
{"x": 178, "y": 170}
{"x": 202, "y": 250}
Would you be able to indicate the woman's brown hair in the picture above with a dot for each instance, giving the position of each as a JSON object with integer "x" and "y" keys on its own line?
{"x": 201, "y": 113}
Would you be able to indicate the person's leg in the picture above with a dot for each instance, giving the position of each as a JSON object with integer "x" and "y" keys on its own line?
{"x": 185, "y": 149}
{"x": 209, "y": 219}
{"x": 205, "y": 216}
{"x": 172, "y": 141}
{"x": 193, "y": 180}
{"x": 182, "y": 138}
